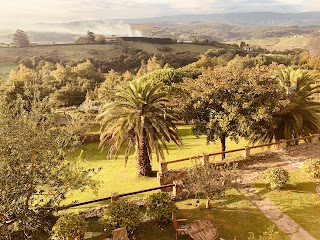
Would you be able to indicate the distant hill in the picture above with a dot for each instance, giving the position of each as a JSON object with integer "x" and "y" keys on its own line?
{"x": 252, "y": 18}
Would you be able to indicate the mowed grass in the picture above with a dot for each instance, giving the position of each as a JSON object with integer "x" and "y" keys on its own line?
{"x": 234, "y": 217}
{"x": 176, "y": 47}
{"x": 298, "y": 199}
{"x": 115, "y": 176}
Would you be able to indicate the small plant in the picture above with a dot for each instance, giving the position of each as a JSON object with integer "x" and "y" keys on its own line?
{"x": 312, "y": 168}
{"x": 270, "y": 234}
{"x": 69, "y": 227}
{"x": 160, "y": 207}
{"x": 276, "y": 177}
{"x": 121, "y": 213}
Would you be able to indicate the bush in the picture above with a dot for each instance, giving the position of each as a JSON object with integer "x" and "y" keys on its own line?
{"x": 69, "y": 227}
{"x": 270, "y": 234}
{"x": 121, "y": 213}
{"x": 276, "y": 177}
{"x": 312, "y": 168}
{"x": 160, "y": 207}
{"x": 212, "y": 180}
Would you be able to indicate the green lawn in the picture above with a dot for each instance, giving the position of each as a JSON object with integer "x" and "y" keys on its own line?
{"x": 299, "y": 200}
{"x": 116, "y": 177}
{"x": 234, "y": 217}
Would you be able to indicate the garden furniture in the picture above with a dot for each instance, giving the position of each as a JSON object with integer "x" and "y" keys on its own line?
{"x": 203, "y": 230}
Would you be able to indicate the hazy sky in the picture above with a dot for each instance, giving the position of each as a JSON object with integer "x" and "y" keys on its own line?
{"x": 27, "y": 11}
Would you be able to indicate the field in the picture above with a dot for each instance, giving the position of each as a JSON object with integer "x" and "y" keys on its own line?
{"x": 284, "y": 43}
{"x": 114, "y": 176}
{"x": 8, "y": 55}
{"x": 176, "y": 47}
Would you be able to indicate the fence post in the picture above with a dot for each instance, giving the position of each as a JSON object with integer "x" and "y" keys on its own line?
{"x": 315, "y": 138}
{"x": 204, "y": 159}
{"x": 177, "y": 188}
{"x": 246, "y": 152}
{"x": 114, "y": 197}
{"x": 283, "y": 144}
{"x": 163, "y": 167}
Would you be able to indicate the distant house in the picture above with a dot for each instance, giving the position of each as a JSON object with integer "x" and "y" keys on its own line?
{"x": 112, "y": 38}
{"x": 247, "y": 48}
{"x": 184, "y": 41}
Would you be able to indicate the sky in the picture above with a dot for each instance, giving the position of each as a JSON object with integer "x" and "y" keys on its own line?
{"x": 33, "y": 11}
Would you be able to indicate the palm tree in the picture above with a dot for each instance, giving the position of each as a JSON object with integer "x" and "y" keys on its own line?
{"x": 138, "y": 116}
{"x": 299, "y": 111}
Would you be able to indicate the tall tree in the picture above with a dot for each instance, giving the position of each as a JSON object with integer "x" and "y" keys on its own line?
{"x": 20, "y": 38}
{"x": 138, "y": 116}
{"x": 35, "y": 175}
{"x": 299, "y": 112}
{"x": 226, "y": 103}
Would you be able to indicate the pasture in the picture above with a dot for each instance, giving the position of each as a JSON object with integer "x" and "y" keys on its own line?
{"x": 66, "y": 53}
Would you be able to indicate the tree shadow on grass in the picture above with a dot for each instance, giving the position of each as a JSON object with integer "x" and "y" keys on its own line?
{"x": 302, "y": 187}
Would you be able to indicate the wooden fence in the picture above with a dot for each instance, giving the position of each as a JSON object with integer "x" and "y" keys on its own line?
{"x": 177, "y": 185}
{"x": 176, "y": 189}
{"x": 204, "y": 158}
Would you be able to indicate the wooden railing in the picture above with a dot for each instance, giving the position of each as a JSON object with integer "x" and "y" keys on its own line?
{"x": 116, "y": 196}
{"x": 204, "y": 158}
{"x": 177, "y": 185}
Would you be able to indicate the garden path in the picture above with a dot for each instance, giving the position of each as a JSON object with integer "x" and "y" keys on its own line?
{"x": 290, "y": 159}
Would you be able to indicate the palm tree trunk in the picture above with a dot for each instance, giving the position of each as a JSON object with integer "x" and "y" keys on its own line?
{"x": 143, "y": 157}
{"x": 223, "y": 145}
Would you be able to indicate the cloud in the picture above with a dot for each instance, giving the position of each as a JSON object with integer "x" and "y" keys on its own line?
{"x": 72, "y": 10}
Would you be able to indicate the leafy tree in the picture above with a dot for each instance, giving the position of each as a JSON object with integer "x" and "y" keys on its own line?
{"x": 35, "y": 176}
{"x": 229, "y": 103}
{"x": 90, "y": 37}
{"x": 299, "y": 112}
{"x": 100, "y": 39}
{"x": 138, "y": 116}
{"x": 20, "y": 38}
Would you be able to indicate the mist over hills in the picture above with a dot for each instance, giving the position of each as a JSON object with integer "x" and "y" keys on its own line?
{"x": 67, "y": 32}
{"x": 250, "y": 18}
{"x": 220, "y": 27}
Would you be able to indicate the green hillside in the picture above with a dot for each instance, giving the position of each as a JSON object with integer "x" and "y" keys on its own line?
{"x": 67, "y": 53}
{"x": 300, "y": 41}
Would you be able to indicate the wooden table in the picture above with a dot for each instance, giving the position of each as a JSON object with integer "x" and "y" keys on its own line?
{"x": 203, "y": 230}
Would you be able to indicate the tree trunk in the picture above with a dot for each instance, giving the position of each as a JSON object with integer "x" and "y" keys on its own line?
{"x": 223, "y": 145}
{"x": 143, "y": 157}
{"x": 208, "y": 204}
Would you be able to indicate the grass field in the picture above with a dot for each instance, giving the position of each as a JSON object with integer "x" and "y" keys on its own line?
{"x": 299, "y": 200}
{"x": 116, "y": 177}
{"x": 177, "y": 47}
{"x": 234, "y": 217}
{"x": 279, "y": 43}
{"x": 8, "y": 55}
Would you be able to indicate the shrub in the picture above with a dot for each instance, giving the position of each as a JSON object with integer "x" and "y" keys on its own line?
{"x": 212, "y": 180}
{"x": 312, "y": 168}
{"x": 69, "y": 227}
{"x": 270, "y": 234}
{"x": 121, "y": 213}
{"x": 160, "y": 207}
{"x": 276, "y": 177}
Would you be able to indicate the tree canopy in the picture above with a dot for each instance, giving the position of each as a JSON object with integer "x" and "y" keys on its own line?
{"x": 138, "y": 116}
{"x": 35, "y": 176}
{"x": 20, "y": 38}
